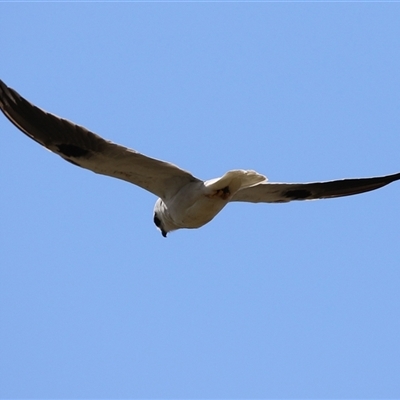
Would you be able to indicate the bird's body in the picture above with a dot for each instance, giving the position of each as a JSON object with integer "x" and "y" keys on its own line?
{"x": 184, "y": 200}
{"x": 197, "y": 203}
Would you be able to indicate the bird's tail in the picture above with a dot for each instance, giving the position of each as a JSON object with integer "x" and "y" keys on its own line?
{"x": 235, "y": 180}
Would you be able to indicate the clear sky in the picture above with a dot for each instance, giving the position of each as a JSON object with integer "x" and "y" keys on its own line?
{"x": 269, "y": 301}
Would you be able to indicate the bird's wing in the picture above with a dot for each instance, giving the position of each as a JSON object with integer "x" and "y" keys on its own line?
{"x": 266, "y": 192}
{"x": 81, "y": 147}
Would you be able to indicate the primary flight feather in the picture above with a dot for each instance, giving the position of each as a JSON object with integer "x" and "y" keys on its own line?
{"x": 184, "y": 201}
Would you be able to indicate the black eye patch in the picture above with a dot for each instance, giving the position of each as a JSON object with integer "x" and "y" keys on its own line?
{"x": 157, "y": 220}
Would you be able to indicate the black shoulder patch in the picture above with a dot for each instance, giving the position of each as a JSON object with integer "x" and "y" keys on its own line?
{"x": 297, "y": 194}
{"x": 70, "y": 150}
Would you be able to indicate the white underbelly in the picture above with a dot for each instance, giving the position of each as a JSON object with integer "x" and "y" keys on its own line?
{"x": 199, "y": 214}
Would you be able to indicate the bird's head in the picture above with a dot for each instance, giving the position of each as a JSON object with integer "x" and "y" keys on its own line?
{"x": 159, "y": 225}
{"x": 161, "y": 217}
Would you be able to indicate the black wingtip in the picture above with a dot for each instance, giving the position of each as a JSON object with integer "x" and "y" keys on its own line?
{"x": 4, "y": 94}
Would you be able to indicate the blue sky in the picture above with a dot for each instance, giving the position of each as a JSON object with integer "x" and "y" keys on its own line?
{"x": 268, "y": 301}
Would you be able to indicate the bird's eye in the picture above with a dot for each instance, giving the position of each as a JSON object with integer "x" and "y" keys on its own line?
{"x": 157, "y": 220}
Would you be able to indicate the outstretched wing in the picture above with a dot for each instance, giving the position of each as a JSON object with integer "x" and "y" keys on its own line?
{"x": 81, "y": 147}
{"x": 266, "y": 192}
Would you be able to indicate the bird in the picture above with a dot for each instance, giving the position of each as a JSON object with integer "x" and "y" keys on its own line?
{"x": 184, "y": 201}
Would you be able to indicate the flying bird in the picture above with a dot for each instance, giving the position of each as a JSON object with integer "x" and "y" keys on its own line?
{"x": 184, "y": 201}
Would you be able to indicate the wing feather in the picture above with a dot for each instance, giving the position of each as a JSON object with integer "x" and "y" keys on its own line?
{"x": 81, "y": 147}
{"x": 266, "y": 192}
